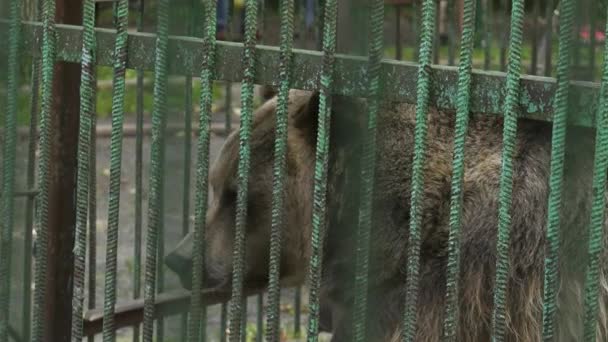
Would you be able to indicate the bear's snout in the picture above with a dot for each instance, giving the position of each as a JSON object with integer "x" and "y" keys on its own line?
{"x": 182, "y": 266}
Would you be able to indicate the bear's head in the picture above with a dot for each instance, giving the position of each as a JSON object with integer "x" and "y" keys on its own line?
{"x": 220, "y": 224}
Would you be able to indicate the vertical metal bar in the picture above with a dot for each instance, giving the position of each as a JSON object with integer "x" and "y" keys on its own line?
{"x": 243, "y": 325}
{"x": 157, "y": 168}
{"x": 260, "y": 318}
{"x": 160, "y": 270}
{"x": 87, "y": 112}
{"x": 417, "y": 27}
{"x": 352, "y": 20}
{"x": 535, "y": 38}
{"x": 451, "y": 32}
{"x": 321, "y": 164}
{"x": 506, "y": 177}
{"x": 577, "y": 42}
{"x": 368, "y": 162}
{"x": 558, "y": 147}
{"x": 118, "y": 95}
{"x": 31, "y": 180}
{"x": 228, "y": 105}
{"x": 413, "y": 253}
{"x": 228, "y": 89}
{"x": 504, "y": 36}
{"x": 247, "y": 92}
{"x": 487, "y": 55}
{"x": 228, "y": 85}
{"x": 596, "y": 245}
{"x": 398, "y": 42}
{"x": 280, "y": 162}
{"x": 92, "y": 241}
{"x": 262, "y": 20}
{"x": 436, "y": 40}
{"x": 92, "y": 210}
{"x": 320, "y": 22}
{"x": 223, "y": 322}
{"x": 297, "y": 328}
{"x": 592, "y": 41}
{"x": 187, "y": 169}
{"x": 450, "y": 321}
{"x": 42, "y": 219}
{"x": 197, "y": 312}
{"x": 7, "y": 200}
{"x": 138, "y": 175}
{"x": 549, "y": 36}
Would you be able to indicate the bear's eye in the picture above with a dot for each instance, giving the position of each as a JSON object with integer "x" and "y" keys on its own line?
{"x": 400, "y": 214}
{"x": 229, "y": 196}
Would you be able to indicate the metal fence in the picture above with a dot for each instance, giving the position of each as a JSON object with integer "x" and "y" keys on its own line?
{"x": 54, "y": 56}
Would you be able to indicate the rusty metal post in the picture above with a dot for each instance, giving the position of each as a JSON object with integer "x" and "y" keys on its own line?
{"x": 62, "y": 186}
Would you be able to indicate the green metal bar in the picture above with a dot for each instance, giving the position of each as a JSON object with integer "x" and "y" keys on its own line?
{"x": 48, "y": 61}
{"x": 503, "y": 38}
{"x": 506, "y": 176}
{"x": 577, "y": 42}
{"x": 416, "y": 27}
{"x": 450, "y": 321}
{"x": 420, "y": 132}
{"x": 596, "y": 228}
{"x": 558, "y": 148}
{"x": 157, "y": 166}
{"x": 436, "y": 40}
{"x": 92, "y": 218}
{"x": 248, "y": 61}
{"x": 259, "y": 333}
{"x": 487, "y": 92}
{"x": 228, "y": 105}
{"x": 487, "y": 52}
{"x": 87, "y": 112}
{"x": 202, "y": 171}
{"x": 223, "y": 322}
{"x": 549, "y": 47}
{"x": 160, "y": 266}
{"x": 368, "y": 161}
{"x": 280, "y": 161}
{"x": 243, "y": 325}
{"x": 7, "y": 201}
{"x": 118, "y": 94}
{"x": 592, "y": 41}
{"x": 535, "y": 38}
{"x": 31, "y": 180}
{"x": 297, "y": 328}
{"x": 398, "y": 40}
{"x": 451, "y": 13}
{"x": 138, "y": 175}
{"x": 29, "y": 210}
{"x": 321, "y": 165}
{"x": 187, "y": 179}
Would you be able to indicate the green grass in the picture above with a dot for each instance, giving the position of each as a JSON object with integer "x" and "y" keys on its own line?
{"x": 175, "y": 97}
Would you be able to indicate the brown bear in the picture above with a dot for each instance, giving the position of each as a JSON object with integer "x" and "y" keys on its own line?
{"x": 389, "y": 241}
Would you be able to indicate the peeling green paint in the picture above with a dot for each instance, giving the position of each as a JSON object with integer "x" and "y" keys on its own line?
{"x": 487, "y": 87}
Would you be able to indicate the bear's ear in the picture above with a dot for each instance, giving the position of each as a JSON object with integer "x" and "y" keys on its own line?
{"x": 306, "y": 118}
{"x": 349, "y": 112}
